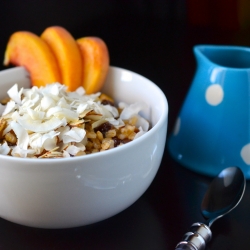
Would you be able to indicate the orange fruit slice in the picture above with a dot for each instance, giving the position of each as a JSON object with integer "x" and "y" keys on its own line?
{"x": 67, "y": 53}
{"x": 95, "y": 63}
{"x": 29, "y": 50}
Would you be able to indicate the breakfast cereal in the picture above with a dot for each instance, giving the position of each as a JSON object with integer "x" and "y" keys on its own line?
{"x": 50, "y": 122}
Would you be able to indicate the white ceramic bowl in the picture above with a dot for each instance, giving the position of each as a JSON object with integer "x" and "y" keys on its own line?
{"x": 70, "y": 192}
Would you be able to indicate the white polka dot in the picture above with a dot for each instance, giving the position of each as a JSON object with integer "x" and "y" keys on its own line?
{"x": 177, "y": 126}
{"x": 245, "y": 153}
{"x": 214, "y": 94}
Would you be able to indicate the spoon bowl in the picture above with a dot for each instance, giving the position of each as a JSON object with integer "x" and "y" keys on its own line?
{"x": 223, "y": 195}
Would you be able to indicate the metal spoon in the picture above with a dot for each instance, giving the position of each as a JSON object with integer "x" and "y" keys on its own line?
{"x": 223, "y": 195}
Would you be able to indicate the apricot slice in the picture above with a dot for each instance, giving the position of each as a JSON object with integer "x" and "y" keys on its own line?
{"x": 95, "y": 60}
{"x": 67, "y": 54}
{"x": 29, "y": 50}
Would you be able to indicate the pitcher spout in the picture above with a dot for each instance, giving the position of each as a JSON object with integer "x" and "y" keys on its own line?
{"x": 237, "y": 57}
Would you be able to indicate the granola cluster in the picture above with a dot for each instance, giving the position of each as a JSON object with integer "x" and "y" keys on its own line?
{"x": 49, "y": 122}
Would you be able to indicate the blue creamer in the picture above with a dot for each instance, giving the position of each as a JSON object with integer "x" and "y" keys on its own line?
{"x": 212, "y": 130}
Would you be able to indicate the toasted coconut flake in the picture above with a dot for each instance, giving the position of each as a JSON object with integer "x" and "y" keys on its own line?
{"x": 4, "y": 149}
{"x": 13, "y": 116}
{"x": 35, "y": 115}
{"x": 52, "y": 90}
{"x": 50, "y": 141}
{"x": 112, "y": 110}
{"x": 80, "y": 91}
{"x": 101, "y": 109}
{"x": 132, "y": 110}
{"x": 82, "y": 109}
{"x": 74, "y": 135}
{"x": 21, "y": 134}
{"x": 47, "y": 102}
{"x": 66, "y": 154}
{"x": 46, "y": 141}
{"x": 52, "y": 111}
{"x": 81, "y": 146}
{"x": 122, "y": 105}
{"x": 19, "y": 152}
{"x": 73, "y": 150}
{"x": 52, "y": 154}
{"x": 9, "y": 108}
{"x": 76, "y": 123}
{"x": 62, "y": 113}
{"x": 35, "y": 142}
{"x": 142, "y": 123}
{"x": 41, "y": 127}
{"x": 98, "y": 123}
{"x": 116, "y": 122}
{"x": 94, "y": 117}
{"x": 14, "y": 94}
{"x": 140, "y": 133}
{"x": 62, "y": 130}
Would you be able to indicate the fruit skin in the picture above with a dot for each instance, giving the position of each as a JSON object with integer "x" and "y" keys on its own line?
{"x": 95, "y": 58}
{"x": 26, "y": 49}
{"x": 67, "y": 54}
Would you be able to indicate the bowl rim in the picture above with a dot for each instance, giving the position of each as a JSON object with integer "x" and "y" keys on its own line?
{"x": 163, "y": 119}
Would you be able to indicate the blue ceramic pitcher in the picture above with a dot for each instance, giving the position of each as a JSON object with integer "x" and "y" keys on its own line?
{"x": 212, "y": 131}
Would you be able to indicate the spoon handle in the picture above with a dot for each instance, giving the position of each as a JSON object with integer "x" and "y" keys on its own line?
{"x": 196, "y": 238}
{"x": 184, "y": 246}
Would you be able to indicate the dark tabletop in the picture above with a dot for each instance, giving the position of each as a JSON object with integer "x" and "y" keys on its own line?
{"x": 155, "y": 39}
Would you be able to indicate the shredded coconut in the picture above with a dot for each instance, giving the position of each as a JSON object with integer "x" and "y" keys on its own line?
{"x": 49, "y": 122}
